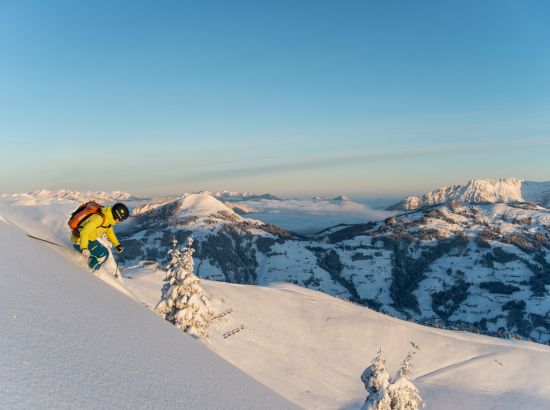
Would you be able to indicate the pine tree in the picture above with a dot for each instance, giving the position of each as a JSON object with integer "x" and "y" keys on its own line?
{"x": 172, "y": 267}
{"x": 377, "y": 380}
{"x": 404, "y": 394}
{"x": 183, "y": 302}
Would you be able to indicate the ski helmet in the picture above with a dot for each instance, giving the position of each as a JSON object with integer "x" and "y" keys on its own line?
{"x": 120, "y": 211}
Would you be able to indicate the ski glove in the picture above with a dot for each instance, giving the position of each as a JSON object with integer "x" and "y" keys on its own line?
{"x": 85, "y": 253}
{"x": 119, "y": 248}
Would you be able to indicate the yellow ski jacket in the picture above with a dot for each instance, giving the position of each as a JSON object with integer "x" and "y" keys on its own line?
{"x": 93, "y": 227}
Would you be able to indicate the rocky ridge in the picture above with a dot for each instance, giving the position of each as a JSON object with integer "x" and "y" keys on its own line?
{"x": 507, "y": 190}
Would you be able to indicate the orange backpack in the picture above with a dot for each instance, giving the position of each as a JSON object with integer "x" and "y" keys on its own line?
{"x": 82, "y": 213}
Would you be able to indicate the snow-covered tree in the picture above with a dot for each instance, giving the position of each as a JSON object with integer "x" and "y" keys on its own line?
{"x": 183, "y": 302}
{"x": 404, "y": 394}
{"x": 385, "y": 394}
{"x": 172, "y": 268}
{"x": 377, "y": 380}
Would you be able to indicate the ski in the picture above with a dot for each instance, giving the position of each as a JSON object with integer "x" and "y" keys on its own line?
{"x": 117, "y": 273}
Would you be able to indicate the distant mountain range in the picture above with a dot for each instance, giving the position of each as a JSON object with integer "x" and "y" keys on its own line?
{"x": 242, "y": 196}
{"x": 338, "y": 198}
{"x": 63, "y": 194}
{"x": 507, "y": 190}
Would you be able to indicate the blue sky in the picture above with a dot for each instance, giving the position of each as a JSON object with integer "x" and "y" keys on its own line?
{"x": 293, "y": 97}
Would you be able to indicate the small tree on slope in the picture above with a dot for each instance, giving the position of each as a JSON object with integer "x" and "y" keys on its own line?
{"x": 377, "y": 380}
{"x": 404, "y": 395}
{"x": 183, "y": 302}
{"x": 383, "y": 394}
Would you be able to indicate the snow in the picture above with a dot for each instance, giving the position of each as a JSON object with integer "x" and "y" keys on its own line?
{"x": 46, "y": 218}
{"x": 71, "y": 341}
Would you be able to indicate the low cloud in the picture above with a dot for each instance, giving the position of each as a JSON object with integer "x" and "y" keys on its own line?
{"x": 311, "y": 215}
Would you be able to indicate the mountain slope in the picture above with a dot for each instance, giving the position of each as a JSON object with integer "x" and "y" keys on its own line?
{"x": 482, "y": 190}
{"x": 312, "y": 349}
{"x": 71, "y": 341}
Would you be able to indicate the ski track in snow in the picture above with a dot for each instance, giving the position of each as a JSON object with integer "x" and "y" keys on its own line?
{"x": 453, "y": 366}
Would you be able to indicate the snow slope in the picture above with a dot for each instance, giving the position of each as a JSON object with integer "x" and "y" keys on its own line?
{"x": 312, "y": 349}
{"x": 70, "y": 341}
{"x": 482, "y": 190}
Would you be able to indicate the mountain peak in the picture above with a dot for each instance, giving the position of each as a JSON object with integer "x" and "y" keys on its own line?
{"x": 200, "y": 204}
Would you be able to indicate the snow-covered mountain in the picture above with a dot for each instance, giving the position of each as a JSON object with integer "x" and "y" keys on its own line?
{"x": 85, "y": 346}
{"x": 481, "y": 191}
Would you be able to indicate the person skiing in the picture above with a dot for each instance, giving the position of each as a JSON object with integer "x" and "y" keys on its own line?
{"x": 95, "y": 225}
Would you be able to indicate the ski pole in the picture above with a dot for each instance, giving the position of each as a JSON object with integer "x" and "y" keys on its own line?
{"x": 43, "y": 240}
{"x": 117, "y": 271}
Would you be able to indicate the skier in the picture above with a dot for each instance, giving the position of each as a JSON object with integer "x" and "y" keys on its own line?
{"x": 95, "y": 225}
